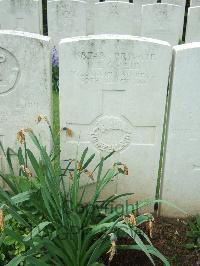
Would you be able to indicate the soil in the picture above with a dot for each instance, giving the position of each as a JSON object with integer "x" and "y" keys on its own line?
{"x": 169, "y": 237}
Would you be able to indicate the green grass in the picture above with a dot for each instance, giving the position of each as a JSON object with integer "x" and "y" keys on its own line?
{"x": 56, "y": 121}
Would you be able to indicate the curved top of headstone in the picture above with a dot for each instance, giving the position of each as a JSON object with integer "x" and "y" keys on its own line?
{"x": 114, "y": 37}
{"x": 186, "y": 46}
{"x": 25, "y": 34}
{"x": 175, "y": 2}
{"x": 115, "y": 2}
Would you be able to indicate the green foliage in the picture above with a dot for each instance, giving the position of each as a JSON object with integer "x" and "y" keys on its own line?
{"x": 47, "y": 221}
{"x": 55, "y": 78}
{"x": 194, "y": 234}
{"x": 10, "y": 247}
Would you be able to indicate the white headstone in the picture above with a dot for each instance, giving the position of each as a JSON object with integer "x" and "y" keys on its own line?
{"x": 193, "y": 25}
{"x": 138, "y": 11}
{"x": 66, "y": 19}
{"x": 25, "y": 85}
{"x": 112, "y": 96}
{"x": 181, "y": 3}
{"x": 90, "y": 17}
{"x": 115, "y": 18}
{"x": 126, "y": 1}
{"x": 144, "y": 2}
{"x": 175, "y": 2}
{"x": 21, "y": 15}
{"x": 181, "y": 184}
{"x": 162, "y": 22}
{"x": 194, "y": 3}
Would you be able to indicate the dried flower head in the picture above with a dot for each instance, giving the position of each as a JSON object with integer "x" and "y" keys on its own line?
{"x": 79, "y": 166}
{"x": 70, "y": 175}
{"x": 69, "y": 132}
{"x": 130, "y": 219}
{"x": 149, "y": 225}
{"x": 150, "y": 228}
{"x": 26, "y": 170}
{"x": 125, "y": 169}
{"x": 89, "y": 174}
{"x": 112, "y": 250}
{"x": 21, "y": 136}
{"x": 1, "y": 220}
{"x": 41, "y": 118}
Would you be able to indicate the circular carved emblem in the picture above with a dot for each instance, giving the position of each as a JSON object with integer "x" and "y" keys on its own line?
{"x": 111, "y": 133}
{"x": 9, "y": 70}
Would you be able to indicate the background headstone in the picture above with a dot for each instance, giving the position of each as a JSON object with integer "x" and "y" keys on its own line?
{"x": 21, "y": 15}
{"x": 115, "y": 18}
{"x": 144, "y": 2}
{"x": 126, "y": 1}
{"x": 112, "y": 97}
{"x": 162, "y": 22}
{"x": 181, "y": 3}
{"x": 25, "y": 85}
{"x": 181, "y": 184}
{"x": 195, "y": 3}
{"x": 193, "y": 25}
{"x": 138, "y": 7}
{"x": 175, "y": 2}
{"x": 66, "y": 19}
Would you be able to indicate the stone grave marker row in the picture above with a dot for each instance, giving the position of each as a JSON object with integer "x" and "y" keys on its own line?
{"x": 116, "y": 93}
{"x": 77, "y": 18}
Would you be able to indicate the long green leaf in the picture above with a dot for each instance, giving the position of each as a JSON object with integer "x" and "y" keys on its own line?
{"x": 150, "y": 249}
{"x": 36, "y": 231}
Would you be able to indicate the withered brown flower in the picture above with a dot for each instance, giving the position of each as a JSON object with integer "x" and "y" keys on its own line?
{"x": 69, "y": 132}
{"x": 112, "y": 250}
{"x": 130, "y": 219}
{"x": 41, "y": 118}
{"x": 125, "y": 169}
{"x": 21, "y": 136}
{"x": 26, "y": 170}
{"x": 1, "y": 220}
{"x": 150, "y": 228}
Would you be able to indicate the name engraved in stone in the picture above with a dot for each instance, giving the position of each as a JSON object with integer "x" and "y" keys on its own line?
{"x": 9, "y": 71}
{"x": 117, "y": 59}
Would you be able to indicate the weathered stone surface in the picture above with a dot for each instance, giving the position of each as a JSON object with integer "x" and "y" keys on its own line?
{"x": 66, "y": 19}
{"x": 25, "y": 85}
{"x": 115, "y": 18}
{"x": 193, "y": 25}
{"x": 112, "y": 96}
{"x": 181, "y": 3}
{"x": 21, "y": 15}
{"x": 194, "y": 3}
{"x": 144, "y": 2}
{"x": 175, "y": 2}
{"x": 162, "y": 22}
{"x": 181, "y": 184}
{"x": 138, "y": 19}
{"x": 126, "y": 1}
